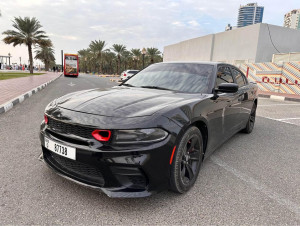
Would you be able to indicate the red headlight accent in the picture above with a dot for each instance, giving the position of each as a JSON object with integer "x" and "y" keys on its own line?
{"x": 101, "y": 135}
{"x": 46, "y": 119}
{"x": 124, "y": 75}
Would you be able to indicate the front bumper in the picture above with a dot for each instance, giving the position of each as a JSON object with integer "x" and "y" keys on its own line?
{"x": 128, "y": 172}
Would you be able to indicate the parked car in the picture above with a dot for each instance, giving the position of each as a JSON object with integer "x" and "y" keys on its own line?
{"x": 151, "y": 132}
{"x": 127, "y": 74}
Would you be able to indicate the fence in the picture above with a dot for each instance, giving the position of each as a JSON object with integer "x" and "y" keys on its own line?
{"x": 274, "y": 77}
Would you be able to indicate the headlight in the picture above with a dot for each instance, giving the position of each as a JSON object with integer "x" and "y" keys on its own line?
{"x": 140, "y": 136}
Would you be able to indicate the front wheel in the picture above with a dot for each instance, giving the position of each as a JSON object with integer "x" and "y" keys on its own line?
{"x": 187, "y": 161}
{"x": 251, "y": 120}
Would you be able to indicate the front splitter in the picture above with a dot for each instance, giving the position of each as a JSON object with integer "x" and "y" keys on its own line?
{"x": 112, "y": 192}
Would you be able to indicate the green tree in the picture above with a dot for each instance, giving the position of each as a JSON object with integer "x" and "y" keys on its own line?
{"x": 136, "y": 56}
{"x": 109, "y": 58}
{"x": 46, "y": 55}
{"x": 119, "y": 50}
{"x": 153, "y": 53}
{"x": 97, "y": 48}
{"x": 27, "y": 32}
{"x": 84, "y": 55}
{"x": 127, "y": 59}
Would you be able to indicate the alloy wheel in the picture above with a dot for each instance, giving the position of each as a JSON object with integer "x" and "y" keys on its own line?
{"x": 191, "y": 159}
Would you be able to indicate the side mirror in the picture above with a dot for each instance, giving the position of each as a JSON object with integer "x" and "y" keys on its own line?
{"x": 227, "y": 88}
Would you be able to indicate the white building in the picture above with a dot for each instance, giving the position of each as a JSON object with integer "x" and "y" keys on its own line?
{"x": 292, "y": 19}
{"x": 255, "y": 43}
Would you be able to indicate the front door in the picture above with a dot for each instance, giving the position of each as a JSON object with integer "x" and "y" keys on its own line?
{"x": 231, "y": 110}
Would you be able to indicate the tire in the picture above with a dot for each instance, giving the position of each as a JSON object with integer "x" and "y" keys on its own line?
{"x": 251, "y": 120}
{"x": 187, "y": 161}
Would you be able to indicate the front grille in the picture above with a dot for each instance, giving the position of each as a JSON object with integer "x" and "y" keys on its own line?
{"x": 80, "y": 170}
{"x": 66, "y": 128}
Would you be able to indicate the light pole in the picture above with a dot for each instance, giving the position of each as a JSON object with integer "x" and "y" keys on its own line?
{"x": 62, "y": 62}
{"x": 143, "y": 53}
{"x": 9, "y": 55}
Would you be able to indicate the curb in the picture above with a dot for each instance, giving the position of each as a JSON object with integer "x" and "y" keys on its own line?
{"x": 115, "y": 80}
{"x": 11, "y": 103}
{"x": 282, "y": 98}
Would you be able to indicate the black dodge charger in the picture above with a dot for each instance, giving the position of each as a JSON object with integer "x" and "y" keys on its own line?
{"x": 150, "y": 133}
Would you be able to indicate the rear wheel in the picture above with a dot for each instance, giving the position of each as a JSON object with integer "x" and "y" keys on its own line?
{"x": 187, "y": 161}
{"x": 251, "y": 120}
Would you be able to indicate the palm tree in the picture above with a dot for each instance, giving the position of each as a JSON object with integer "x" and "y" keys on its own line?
{"x": 119, "y": 50}
{"x": 127, "y": 57}
{"x": 83, "y": 59}
{"x": 27, "y": 32}
{"x": 97, "y": 47}
{"x": 46, "y": 55}
{"x": 153, "y": 53}
{"x": 136, "y": 56}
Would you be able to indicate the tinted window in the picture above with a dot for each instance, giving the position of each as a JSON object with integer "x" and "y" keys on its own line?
{"x": 185, "y": 77}
{"x": 133, "y": 72}
{"x": 224, "y": 76}
{"x": 238, "y": 77}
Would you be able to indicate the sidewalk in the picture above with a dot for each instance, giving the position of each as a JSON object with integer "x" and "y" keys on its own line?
{"x": 279, "y": 96}
{"x": 11, "y": 89}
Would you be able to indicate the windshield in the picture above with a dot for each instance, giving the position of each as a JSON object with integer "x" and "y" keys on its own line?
{"x": 184, "y": 77}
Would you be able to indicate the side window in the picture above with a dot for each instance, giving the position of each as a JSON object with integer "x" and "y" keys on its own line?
{"x": 224, "y": 76}
{"x": 238, "y": 77}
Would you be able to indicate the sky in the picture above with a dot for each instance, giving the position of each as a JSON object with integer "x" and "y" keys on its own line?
{"x": 73, "y": 24}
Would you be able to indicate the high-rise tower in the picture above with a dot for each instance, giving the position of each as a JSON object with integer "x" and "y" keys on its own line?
{"x": 292, "y": 19}
{"x": 250, "y": 14}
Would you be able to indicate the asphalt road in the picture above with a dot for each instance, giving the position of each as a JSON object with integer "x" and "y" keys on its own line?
{"x": 251, "y": 179}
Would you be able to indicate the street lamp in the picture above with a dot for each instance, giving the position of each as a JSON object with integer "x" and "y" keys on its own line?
{"x": 143, "y": 53}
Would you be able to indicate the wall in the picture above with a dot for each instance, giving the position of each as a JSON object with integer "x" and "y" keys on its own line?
{"x": 238, "y": 44}
{"x": 197, "y": 49}
{"x": 249, "y": 44}
{"x": 284, "y": 39}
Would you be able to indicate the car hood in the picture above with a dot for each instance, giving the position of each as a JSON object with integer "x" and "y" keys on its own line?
{"x": 122, "y": 101}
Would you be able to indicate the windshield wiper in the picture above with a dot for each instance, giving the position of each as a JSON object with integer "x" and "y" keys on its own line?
{"x": 155, "y": 87}
{"x": 126, "y": 84}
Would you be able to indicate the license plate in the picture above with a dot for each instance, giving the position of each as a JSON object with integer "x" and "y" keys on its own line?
{"x": 60, "y": 149}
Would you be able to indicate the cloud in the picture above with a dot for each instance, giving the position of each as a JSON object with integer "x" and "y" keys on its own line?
{"x": 66, "y": 37}
{"x": 178, "y": 23}
{"x": 73, "y": 24}
{"x": 119, "y": 3}
{"x": 193, "y": 23}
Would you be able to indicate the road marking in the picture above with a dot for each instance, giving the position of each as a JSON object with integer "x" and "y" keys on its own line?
{"x": 71, "y": 84}
{"x": 270, "y": 105}
{"x": 279, "y": 198}
{"x": 283, "y": 119}
{"x": 279, "y": 120}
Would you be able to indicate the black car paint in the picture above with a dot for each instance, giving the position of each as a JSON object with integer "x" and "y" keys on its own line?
{"x": 218, "y": 115}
